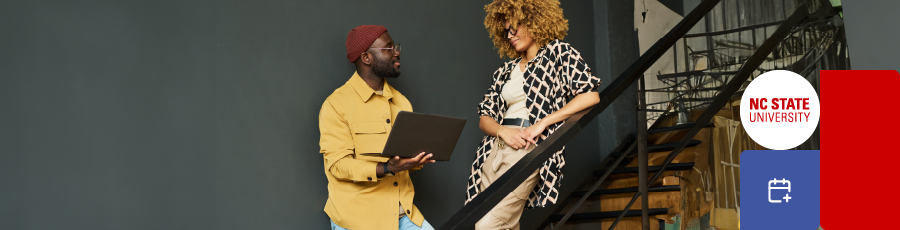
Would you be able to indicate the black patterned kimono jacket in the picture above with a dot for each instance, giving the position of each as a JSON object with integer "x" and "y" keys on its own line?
{"x": 552, "y": 78}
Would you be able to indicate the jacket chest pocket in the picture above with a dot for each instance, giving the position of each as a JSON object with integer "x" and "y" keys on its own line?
{"x": 368, "y": 137}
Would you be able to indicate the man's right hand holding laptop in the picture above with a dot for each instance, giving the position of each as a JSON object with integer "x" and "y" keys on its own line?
{"x": 399, "y": 164}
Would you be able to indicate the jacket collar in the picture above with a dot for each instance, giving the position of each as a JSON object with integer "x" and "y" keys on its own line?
{"x": 365, "y": 92}
{"x": 542, "y": 53}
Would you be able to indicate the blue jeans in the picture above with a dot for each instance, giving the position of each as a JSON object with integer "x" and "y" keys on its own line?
{"x": 405, "y": 224}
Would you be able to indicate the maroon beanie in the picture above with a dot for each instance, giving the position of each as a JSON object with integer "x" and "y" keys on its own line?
{"x": 360, "y": 38}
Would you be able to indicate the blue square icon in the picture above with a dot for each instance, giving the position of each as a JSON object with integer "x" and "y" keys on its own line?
{"x": 780, "y": 189}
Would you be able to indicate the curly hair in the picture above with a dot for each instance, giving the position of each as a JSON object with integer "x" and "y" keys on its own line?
{"x": 543, "y": 18}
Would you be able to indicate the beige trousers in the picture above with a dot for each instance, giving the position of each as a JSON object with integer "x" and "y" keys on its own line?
{"x": 507, "y": 213}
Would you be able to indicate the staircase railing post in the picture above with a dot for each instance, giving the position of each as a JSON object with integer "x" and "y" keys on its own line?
{"x": 642, "y": 154}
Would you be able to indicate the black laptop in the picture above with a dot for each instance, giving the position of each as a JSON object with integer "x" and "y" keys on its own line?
{"x": 414, "y": 133}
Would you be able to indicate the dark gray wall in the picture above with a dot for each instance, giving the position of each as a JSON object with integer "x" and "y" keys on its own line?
{"x": 624, "y": 49}
{"x": 872, "y": 34}
{"x": 107, "y": 115}
{"x": 203, "y": 115}
{"x": 606, "y": 121}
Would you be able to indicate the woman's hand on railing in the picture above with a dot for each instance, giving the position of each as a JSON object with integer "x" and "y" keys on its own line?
{"x": 531, "y": 134}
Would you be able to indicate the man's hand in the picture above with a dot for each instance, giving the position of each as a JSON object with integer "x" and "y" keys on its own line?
{"x": 398, "y": 164}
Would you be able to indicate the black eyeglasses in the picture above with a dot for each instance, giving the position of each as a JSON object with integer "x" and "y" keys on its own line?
{"x": 510, "y": 31}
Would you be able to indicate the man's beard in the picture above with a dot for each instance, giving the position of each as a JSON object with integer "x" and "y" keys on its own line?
{"x": 385, "y": 69}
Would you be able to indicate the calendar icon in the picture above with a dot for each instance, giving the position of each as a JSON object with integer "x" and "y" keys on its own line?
{"x": 782, "y": 184}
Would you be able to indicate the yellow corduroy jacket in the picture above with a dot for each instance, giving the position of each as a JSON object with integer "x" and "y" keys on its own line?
{"x": 354, "y": 123}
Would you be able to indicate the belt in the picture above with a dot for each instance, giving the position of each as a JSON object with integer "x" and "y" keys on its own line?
{"x": 517, "y": 122}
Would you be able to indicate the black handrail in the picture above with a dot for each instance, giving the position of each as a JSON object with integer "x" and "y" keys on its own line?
{"x": 724, "y": 96}
{"x": 472, "y": 212}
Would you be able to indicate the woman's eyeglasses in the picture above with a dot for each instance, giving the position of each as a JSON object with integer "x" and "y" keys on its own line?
{"x": 510, "y": 31}
{"x": 395, "y": 49}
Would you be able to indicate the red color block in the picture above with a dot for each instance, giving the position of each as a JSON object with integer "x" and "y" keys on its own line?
{"x": 860, "y": 160}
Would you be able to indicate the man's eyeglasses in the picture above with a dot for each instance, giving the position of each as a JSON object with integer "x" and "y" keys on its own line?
{"x": 511, "y": 31}
{"x": 395, "y": 49}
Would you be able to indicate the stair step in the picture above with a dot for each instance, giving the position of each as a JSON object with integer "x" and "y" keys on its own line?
{"x": 659, "y": 148}
{"x": 652, "y": 168}
{"x": 607, "y": 215}
{"x": 629, "y": 190}
{"x": 676, "y": 127}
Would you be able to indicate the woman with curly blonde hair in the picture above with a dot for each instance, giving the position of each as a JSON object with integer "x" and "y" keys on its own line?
{"x": 531, "y": 97}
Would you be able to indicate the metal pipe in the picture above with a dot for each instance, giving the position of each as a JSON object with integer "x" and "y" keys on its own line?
{"x": 710, "y": 50}
{"x": 731, "y": 160}
{"x": 735, "y": 30}
{"x": 734, "y": 186}
{"x": 642, "y": 157}
{"x": 675, "y": 56}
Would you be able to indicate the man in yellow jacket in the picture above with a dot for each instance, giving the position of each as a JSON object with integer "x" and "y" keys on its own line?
{"x": 365, "y": 189}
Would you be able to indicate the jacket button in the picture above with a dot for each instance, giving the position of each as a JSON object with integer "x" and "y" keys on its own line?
{"x": 407, "y": 212}
{"x": 388, "y": 121}
{"x": 395, "y": 184}
{"x": 370, "y": 178}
